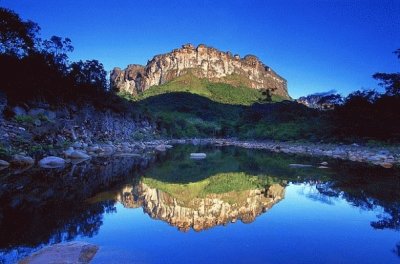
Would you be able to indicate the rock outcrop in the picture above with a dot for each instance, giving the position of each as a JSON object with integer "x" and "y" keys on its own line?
{"x": 203, "y": 62}
{"x": 201, "y": 213}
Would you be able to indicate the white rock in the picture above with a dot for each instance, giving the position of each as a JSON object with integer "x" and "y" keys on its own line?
{"x": 294, "y": 165}
{"x": 198, "y": 155}
{"x": 160, "y": 148}
{"x": 76, "y": 154}
{"x": 4, "y": 163}
{"x": 51, "y": 162}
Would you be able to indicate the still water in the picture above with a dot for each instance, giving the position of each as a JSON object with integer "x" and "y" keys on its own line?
{"x": 235, "y": 206}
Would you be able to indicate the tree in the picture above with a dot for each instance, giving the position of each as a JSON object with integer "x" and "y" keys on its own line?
{"x": 17, "y": 37}
{"x": 55, "y": 50}
{"x": 390, "y": 81}
{"x": 330, "y": 101}
{"x": 89, "y": 73}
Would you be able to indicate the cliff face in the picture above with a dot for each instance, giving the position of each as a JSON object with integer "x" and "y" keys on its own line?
{"x": 202, "y": 212}
{"x": 203, "y": 62}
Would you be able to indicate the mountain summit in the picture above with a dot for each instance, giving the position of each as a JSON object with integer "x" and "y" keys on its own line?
{"x": 203, "y": 62}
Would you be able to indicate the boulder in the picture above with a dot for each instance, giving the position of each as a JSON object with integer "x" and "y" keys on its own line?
{"x": 386, "y": 165}
{"x": 76, "y": 154}
{"x": 18, "y": 111}
{"x": 51, "y": 162}
{"x": 160, "y": 148}
{"x": 71, "y": 253}
{"x": 36, "y": 111}
{"x": 22, "y": 161}
{"x": 4, "y": 163}
{"x": 294, "y": 165}
{"x": 50, "y": 115}
{"x": 198, "y": 155}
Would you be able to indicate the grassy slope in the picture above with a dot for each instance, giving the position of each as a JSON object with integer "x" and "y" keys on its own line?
{"x": 235, "y": 93}
{"x": 223, "y": 183}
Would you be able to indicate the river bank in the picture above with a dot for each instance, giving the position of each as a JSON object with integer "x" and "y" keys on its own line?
{"x": 385, "y": 157}
{"x": 80, "y": 151}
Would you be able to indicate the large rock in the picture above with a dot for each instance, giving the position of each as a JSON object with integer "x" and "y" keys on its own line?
{"x": 76, "y": 154}
{"x": 22, "y": 161}
{"x": 198, "y": 155}
{"x": 18, "y": 111}
{"x": 68, "y": 253}
{"x": 51, "y": 162}
{"x": 4, "y": 163}
{"x": 203, "y": 62}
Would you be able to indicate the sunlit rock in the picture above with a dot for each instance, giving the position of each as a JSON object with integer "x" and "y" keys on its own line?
{"x": 202, "y": 62}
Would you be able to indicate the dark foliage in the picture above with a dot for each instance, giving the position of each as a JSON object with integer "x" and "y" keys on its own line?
{"x": 35, "y": 69}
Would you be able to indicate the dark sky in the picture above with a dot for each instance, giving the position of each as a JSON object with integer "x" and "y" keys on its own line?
{"x": 316, "y": 45}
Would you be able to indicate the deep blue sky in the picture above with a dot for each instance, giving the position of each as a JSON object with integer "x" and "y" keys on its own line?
{"x": 316, "y": 45}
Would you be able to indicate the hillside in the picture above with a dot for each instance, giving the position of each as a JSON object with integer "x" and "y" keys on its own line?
{"x": 218, "y": 92}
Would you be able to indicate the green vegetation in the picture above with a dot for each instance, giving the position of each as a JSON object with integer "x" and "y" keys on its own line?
{"x": 235, "y": 93}
{"x": 24, "y": 119}
{"x": 222, "y": 183}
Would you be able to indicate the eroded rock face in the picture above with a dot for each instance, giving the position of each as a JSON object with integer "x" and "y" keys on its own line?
{"x": 201, "y": 213}
{"x": 203, "y": 62}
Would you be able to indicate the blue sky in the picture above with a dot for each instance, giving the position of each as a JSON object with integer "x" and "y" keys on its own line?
{"x": 316, "y": 45}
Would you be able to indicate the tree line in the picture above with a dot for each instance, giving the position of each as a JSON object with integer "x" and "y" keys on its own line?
{"x": 39, "y": 69}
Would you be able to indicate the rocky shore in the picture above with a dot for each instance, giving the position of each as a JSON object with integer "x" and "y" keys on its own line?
{"x": 385, "y": 157}
{"x": 81, "y": 151}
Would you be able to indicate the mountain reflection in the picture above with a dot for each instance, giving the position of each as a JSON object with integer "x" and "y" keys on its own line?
{"x": 201, "y": 205}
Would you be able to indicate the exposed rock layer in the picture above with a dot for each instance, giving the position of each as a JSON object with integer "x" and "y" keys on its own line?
{"x": 203, "y": 62}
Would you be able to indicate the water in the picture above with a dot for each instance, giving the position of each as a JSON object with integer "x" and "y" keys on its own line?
{"x": 235, "y": 206}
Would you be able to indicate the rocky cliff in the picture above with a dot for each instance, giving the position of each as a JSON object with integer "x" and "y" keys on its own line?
{"x": 203, "y": 62}
{"x": 201, "y": 212}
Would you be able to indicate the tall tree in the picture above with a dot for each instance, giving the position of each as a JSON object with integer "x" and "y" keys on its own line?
{"x": 390, "y": 81}
{"x": 17, "y": 37}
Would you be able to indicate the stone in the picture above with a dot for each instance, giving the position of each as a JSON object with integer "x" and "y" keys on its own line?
{"x": 198, "y": 155}
{"x": 386, "y": 165}
{"x": 202, "y": 62}
{"x": 66, "y": 253}
{"x": 128, "y": 155}
{"x": 160, "y": 148}
{"x": 36, "y": 111}
{"x": 18, "y": 111}
{"x": 51, "y": 162}
{"x": 50, "y": 115}
{"x": 76, "y": 154}
{"x": 37, "y": 122}
{"x": 294, "y": 165}
{"x": 77, "y": 145}
{"x": 22, "y": 161}
{"x": 4, "y": 163}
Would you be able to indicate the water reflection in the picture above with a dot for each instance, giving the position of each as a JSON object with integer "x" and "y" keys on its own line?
{"x": 40, "y": 207}
{"x": 193, "y": 206}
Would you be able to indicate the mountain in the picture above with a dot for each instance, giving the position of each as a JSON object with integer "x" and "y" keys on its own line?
{"x": 202, "y": 62}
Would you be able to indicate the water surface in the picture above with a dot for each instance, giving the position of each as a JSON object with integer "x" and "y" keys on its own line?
{"x": 235, "y": 206}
